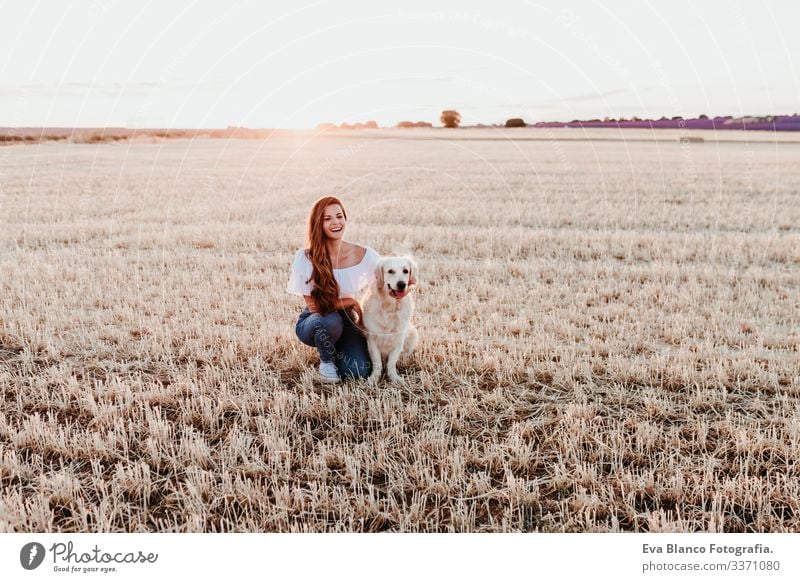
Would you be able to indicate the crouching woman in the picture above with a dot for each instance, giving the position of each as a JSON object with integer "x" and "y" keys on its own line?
{"x": 329, "y": 273}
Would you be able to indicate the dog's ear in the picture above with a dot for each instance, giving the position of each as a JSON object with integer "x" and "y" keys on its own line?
{"x": 379, "y": 282}
{"x": 413, "y": 272}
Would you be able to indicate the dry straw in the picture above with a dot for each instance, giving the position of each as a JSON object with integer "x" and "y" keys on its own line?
{"x": 604, "y": 345}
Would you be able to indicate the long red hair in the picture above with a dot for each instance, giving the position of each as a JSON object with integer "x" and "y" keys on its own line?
{"x": 326, "y": 289}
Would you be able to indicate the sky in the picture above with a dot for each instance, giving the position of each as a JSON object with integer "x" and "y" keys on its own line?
{"x": 294, "y": 64}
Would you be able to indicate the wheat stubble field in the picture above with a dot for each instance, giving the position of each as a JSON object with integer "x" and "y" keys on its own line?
{"x": 609, "y": 337}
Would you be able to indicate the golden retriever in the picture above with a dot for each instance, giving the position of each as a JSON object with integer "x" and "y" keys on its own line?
{"x": 387, "y": 309}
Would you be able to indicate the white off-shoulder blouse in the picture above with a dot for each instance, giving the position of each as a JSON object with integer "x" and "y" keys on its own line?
{"x": 351, "y": 280}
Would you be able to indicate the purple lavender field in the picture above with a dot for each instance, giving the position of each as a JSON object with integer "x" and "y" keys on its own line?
{"x": 765, "y": 123}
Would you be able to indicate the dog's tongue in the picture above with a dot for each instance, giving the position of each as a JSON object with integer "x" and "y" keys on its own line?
{"x": 399, "y": 294}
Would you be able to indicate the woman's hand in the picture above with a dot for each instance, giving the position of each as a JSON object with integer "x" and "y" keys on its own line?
{"x": 359, "y": 315}
{"x": 352, "y": 308}
{"x": 348, "y": 304}
{"x": 345, "y": 303}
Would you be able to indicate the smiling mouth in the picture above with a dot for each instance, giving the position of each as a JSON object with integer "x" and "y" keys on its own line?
{"x": 398, "y": 294}
{"x": 336, "y": 229}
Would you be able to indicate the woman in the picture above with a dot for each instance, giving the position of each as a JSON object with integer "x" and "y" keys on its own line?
{"x": 328, "y": 273}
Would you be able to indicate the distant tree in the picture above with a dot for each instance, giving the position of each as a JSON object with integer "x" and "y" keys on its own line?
{"x": 677, "y": 118}
{"x": 450, "y": 118}
{"x": 371, "y": 124}
{"x": 423, "y": 124}
{"x": 702, "y": 116}
{"x": 345, "y": 126}
{"x": 515, "y": 122}
{"x": 406, "y": 124}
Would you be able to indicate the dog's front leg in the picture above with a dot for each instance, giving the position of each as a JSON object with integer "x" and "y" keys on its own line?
{"x": 410, "y": 341}
{"x": 375, "y": 357}
{"x": 391, "y": 364}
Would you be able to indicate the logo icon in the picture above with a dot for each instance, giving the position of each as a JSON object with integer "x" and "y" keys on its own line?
{"x": 31, "y": 555}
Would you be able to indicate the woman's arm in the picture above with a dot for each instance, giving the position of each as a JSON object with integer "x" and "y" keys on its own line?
{"x": 344, "y": 303}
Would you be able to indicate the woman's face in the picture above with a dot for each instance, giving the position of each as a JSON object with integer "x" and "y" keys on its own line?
{"x": 333, "y": 221}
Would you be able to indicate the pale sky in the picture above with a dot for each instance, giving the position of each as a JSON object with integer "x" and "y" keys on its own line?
{"x": 294, "y": 64}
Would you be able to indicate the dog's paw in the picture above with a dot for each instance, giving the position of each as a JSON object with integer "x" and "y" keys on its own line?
{"x": 395, "y": 378}
{"x": 373, "y": 378}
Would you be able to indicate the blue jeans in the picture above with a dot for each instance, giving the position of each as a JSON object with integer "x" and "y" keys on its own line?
{"x": 337, "y": 340}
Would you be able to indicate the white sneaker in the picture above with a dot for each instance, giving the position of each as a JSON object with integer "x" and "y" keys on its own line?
{"x": 328, "y": 372}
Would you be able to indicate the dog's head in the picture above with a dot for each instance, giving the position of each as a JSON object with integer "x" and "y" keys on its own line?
{"x": 396, "y": 275}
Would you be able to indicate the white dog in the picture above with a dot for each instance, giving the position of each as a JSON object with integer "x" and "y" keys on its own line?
{"x": 387, "y": 309}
